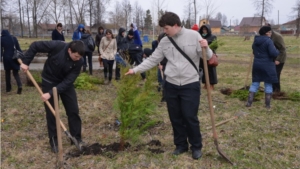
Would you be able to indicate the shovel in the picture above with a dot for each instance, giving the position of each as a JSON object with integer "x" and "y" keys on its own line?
{"x": 215, "y": 136}
{"x": 237, "y": 115}
{"x": 50, "y": 107}
{"x": 249, "y": 68}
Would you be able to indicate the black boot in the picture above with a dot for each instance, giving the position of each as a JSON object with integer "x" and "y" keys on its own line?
{"x": 8, "y": 87}
{"x": 84, "y": 68}
{"x": 19, "y": 90}
{"x": 250, "y": 99}
{"x": 91, "y": 70}
{"x": 268, "y": 100}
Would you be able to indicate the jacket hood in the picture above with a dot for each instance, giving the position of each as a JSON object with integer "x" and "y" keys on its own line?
{"x": 121, "y": 30}
{"x": 259, "y": 40}
{"x": 85, "y": 36}
{"x": 208, "y": 30}
{"x": 80, "y": 26}
{"x": 5, "y": 33}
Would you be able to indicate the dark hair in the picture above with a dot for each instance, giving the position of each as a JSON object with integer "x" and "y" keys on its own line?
{"x": 88, "y": 32}
{"x": 169, "y": 18}
{"x": 77, "y": 46}
{"x": 100, "y": 27}
{"x": 110, "y": 32}
{"x": 59, "y": 25}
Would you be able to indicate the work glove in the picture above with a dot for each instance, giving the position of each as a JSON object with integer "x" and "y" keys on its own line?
{"x": 134, "y": 27}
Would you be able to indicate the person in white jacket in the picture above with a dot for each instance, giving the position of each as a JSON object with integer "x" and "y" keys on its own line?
{"x": 182, "y": 86}
{"x": 108, "y": 49}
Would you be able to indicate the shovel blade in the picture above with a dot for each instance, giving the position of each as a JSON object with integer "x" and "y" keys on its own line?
{"x": 221, "y": 152}
{"x": 74, "y": 140}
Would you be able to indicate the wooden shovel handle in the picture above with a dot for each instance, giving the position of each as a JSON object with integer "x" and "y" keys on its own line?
{"x": 222, "y": 122}
{"x": 41, "y": 93}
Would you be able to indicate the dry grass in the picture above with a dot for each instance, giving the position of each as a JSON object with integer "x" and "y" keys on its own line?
{"x": 262, "y": 139}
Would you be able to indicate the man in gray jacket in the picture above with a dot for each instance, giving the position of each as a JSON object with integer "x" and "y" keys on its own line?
{"x": 182, "y": 85}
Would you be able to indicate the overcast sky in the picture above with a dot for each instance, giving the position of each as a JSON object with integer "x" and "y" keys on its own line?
{"x": 234, "y": 9}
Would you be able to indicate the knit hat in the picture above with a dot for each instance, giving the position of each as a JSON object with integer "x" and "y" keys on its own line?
{"x": 263, "y": 30}
{"x": 195, "y": 27}
{"x": 147, "y": 52}
{"x": 130, "y": 32}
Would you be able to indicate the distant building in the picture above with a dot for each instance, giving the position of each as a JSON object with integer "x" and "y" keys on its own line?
{"x": 214, "y": 24}
{"x": 251, "y": 25}
{"x": 289, "y": 27}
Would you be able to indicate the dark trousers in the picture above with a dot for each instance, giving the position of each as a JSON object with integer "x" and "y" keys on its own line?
{"x": 69, "y": 100}
{"x": 89, "y": 55}
{"x": 276, "y": 86}
{"x": 183, "y": 103}
{"x": 108, "y": 66}
{"x": 8, "y": 79}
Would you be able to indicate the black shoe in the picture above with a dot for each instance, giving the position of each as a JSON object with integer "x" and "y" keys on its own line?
{"x": 178, "y": 151}
{"x": 8, "y": 89}
{"x": 19, "y": 90}
{"x": 163, "y": 100}
{"x": 196, "y": 154}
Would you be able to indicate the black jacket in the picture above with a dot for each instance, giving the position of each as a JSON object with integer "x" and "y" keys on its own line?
{"x": 120, "y": 39}
{"x": 85, "y": 38}
{"x": 57, "y": 36}
{"x": 7, "y": 51}
{"x": 209, "y": 36}
{"x": 59, "y": 69}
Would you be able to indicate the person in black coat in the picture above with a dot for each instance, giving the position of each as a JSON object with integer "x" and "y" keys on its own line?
{"x": 86, "y": 37}
{"x": 119, "y": 60}
{"x": 8, "y": 43}
{"x": 205, "y": 32}
{"x": 57, "y": 33}
{"x": 60, "y": 70}
{"x": 98, "y": 38}
{"x": 263, "y": 69}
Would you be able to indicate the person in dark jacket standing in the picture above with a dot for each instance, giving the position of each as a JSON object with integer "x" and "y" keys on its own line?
{"x": 98, "y": 38}
{"x": 7, "y": 51}
{"x": 78, "y": 32}
{"x": 119, "y": 60}
{"x": 57, "y": 33}
{"x": 205, "y": 32}
{"x": 263, "y": 66}
{"x": 280, "y": 59}
{"x": 86, "y": 38}
{"x": 60, "y": 70}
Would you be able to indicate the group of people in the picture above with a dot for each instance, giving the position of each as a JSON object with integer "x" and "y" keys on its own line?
{"x": 180, "y": 79}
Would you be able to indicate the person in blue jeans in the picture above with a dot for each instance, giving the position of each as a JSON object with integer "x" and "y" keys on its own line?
{"x": 263, "y": 66}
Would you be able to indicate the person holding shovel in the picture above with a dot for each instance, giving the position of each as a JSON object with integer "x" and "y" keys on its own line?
{"x": 182, "y": 86}
{"x": 263, "y": 66}
{"x": 60, "y": 70}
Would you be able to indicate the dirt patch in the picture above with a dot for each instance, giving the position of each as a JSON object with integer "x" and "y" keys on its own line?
{"x": 111, "y": 150}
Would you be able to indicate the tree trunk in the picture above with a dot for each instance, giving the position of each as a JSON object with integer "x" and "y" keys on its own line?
{"x": 20, "y": 13}
{"x": 28, "y": 22}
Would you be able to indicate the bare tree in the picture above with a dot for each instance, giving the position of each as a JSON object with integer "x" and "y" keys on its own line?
{"x": 158, "y": 5}
{"x": 263, "y": 7}
{"x": 126, "y": 10}
{"x": 116, "y": 16}
{"x": 138, "y": 14}
{"x": 224, "y": 20}
{"x": 219, "y": 16}
{"x": 209, "y": 8}
{"x": 28, "y": 16}
{"x": 188, "y": 10}
{"x": 296, "y": 9}
{"x": 55, "y": 9}
{"x": 20, "y": 15}
{"x": 196, "y": 9}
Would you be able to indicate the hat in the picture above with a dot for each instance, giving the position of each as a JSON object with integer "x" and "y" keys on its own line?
{"x": 147, "y": 52}
{"x": 263, "y": 30}
{"x": 195, "y": 27}
{"x": 130, "y": 32}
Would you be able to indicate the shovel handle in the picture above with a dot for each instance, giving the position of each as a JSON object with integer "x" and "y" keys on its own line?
{"x": 41, "y": 93}
{"x": 222, "y": 122}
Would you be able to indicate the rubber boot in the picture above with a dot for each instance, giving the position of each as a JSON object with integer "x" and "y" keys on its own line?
{"x": 250, "y": 99}
{"x": 268, "y": 100}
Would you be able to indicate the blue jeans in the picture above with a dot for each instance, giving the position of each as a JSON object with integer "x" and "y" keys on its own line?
{"x": 120, "y": 60}
{"x": 255, "y": 85}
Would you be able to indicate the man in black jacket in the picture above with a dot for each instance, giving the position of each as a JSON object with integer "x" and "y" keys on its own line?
{"x": 60, "y": 70}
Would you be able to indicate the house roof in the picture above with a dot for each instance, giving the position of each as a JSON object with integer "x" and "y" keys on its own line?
{"x": 293, "y": 22}
{"x": 214, "y": 23}
{"x": 251, "y": 21}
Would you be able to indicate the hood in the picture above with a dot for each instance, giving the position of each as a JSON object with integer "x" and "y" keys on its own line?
{"x": 121, "y": 30}
{"x": 5, "y": 33}
{"x": 85, "y": 36}
{"x": 208, "y": 30}
{"x": 147, "y": 52}
{"x": 259, "y": 40}
{"x": 80, "y": 26}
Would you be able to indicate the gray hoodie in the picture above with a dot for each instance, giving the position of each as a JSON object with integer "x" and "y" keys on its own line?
{"x": 179, "y": 71}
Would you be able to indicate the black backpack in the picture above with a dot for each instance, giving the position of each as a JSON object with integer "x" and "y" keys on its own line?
{"x": 90, "y": 43}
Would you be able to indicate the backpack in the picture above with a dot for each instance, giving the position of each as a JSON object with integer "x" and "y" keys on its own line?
{"x": 90, "y": 43}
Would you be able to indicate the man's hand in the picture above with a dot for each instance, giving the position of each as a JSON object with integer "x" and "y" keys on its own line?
{"x": 160, "y": 67}
{"x": 46, "y": 96}
{"x": 130, "y": 72}
{"x": 24, "y": 67}
{"x": 203, "y": 43}
{"x": 277, "y": 62}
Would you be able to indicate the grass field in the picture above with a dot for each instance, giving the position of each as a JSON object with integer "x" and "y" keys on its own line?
{"x": 261, "y": 140}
